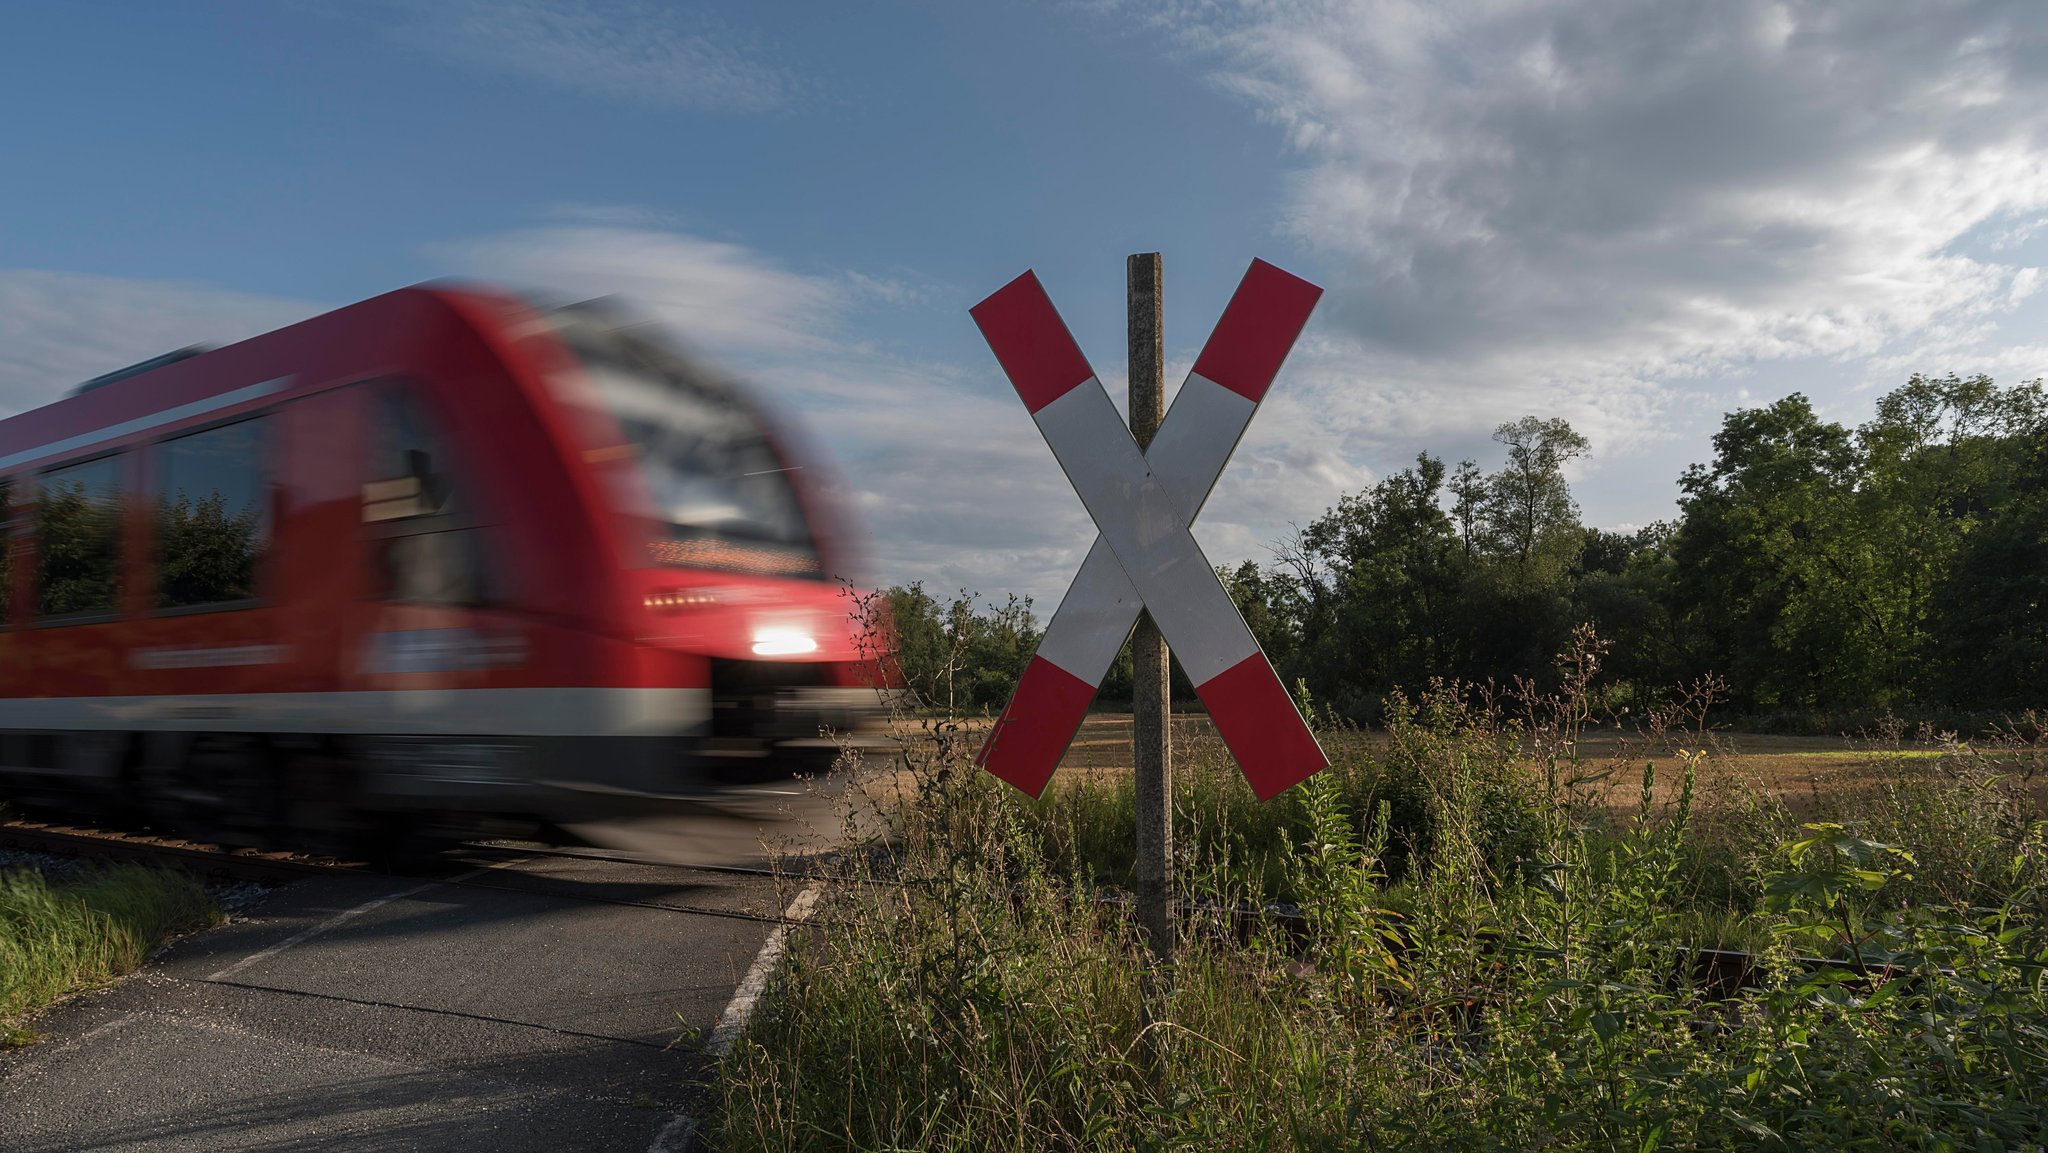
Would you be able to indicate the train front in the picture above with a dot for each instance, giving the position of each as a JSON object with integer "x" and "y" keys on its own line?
{"x": 733, "y": 558}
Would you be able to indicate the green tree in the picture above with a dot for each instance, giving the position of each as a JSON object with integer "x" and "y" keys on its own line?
{"x": 959, "y": 654}
{"x": 1526, "y": 513}
{"x": 1940, "y": 463}
{"x": 1620, "y": 587}
{"x": 1767, "y": 582}
{"x": 1264, "y": 600}
{"x": 1818, "y": 568}
{"x": 1516, "y": 596}
{"x": 78, "y": 535}
{"x": 1373, "y": 586}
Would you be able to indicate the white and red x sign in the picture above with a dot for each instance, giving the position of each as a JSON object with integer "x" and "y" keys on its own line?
{"x": 1144, "y": 558}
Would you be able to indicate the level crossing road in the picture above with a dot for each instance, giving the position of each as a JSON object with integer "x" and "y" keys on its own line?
{"x": 506, "y": 1002}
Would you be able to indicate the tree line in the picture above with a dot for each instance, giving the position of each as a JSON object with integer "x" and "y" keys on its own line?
{"x": 1821, "y": 570}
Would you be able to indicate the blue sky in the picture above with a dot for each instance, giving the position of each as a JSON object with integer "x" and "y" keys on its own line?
{"x": 1637, "y": 217}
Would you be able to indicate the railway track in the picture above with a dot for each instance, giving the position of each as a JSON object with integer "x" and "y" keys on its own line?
{"x": 262, "y": 867}
{"x": 280, "y": 866}
{"x": 284, "y": 867}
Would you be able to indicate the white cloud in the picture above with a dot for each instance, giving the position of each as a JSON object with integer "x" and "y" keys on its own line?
{"x": 725, "y": 295}
{"x": 58, "y": 329}
{"x": 1611, "y": 211}
{"x": 673, "y": 55}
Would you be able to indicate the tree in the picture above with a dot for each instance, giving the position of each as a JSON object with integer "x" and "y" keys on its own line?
{"x": 1990, "y": 619}
{"x": 957, "y": 654}
{"x": 1468, "y": 496}
{"x": 1527, "y": 513}
{"x": 1765, "y": 582}
{"x": 1373, "y": 585}
{"x": 1813, "y": 563}
{"x": 1941, "y": 462}
{"x": 1262, "y": 598}
{"x": 78, "y": 534}
{"x": 1619, "y": 586}
{"x": 205, "y": 554}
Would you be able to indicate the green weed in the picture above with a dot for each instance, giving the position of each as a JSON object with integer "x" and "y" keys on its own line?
{"x": 1486, "y": 957}
{"x": 57, "y": 939}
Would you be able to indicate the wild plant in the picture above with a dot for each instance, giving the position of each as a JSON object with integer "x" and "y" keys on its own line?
{"x": 1338, "y": 876}
{"x": 1489, "y": 957}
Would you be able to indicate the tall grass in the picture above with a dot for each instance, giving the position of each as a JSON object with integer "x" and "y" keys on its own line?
{"x": 57, "y": 939}
{"x": 1494, "y": 957}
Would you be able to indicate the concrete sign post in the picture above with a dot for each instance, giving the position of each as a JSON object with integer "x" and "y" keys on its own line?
{"x": 1142, "y": 500}
{"x": 1151, "y": 668}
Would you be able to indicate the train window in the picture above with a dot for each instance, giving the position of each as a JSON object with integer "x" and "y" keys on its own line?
{"x": 408, "y": 461}
{"x": 721, "y": 496}
{"x": 212, "y": 515}
{"x": 425, "y": 550}
{"x": 78, "y": 539}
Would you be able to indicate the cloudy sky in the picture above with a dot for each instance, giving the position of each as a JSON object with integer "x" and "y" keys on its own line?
{"x": 1635, "y": 216}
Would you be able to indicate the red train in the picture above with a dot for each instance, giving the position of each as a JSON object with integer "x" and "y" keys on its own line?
{"x": 441, "y": 552}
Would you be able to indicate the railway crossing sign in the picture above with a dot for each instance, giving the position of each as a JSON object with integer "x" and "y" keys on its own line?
{"x": 1142, "y": 502}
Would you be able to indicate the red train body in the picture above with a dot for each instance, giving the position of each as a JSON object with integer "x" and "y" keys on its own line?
{"x": 440, "y": 551}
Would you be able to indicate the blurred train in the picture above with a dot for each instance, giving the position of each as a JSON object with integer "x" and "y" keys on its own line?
{"x": 440, "y": 555}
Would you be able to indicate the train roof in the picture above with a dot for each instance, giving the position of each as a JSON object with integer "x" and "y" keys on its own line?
{"x": 142, "y": 366}
{"x": 174, "y": 387}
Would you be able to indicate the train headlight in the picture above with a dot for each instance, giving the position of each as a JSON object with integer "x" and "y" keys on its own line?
{"x": 783, "y": 643}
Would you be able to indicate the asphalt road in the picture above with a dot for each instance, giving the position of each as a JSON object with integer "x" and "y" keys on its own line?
{"x": 533, "y": 1004}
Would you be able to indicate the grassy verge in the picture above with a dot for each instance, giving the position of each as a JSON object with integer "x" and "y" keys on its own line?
{"x": 1496, "y": 958}
{"x": 57, "y": 939}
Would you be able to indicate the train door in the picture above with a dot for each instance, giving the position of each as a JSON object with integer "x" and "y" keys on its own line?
{"x": 14, "y": 679}
{"x": 440, "y": 636}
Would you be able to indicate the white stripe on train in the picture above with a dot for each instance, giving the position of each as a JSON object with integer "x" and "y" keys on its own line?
{"x": 509, "y": 712}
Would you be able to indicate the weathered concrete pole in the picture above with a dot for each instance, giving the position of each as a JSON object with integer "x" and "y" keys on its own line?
{"x": 1151, "y": 682}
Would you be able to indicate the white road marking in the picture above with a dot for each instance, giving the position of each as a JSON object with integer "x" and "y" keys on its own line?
{"x": 679, "y": 1135}
{"x": 337, "y": 921}
{"x": 755, "y": 983}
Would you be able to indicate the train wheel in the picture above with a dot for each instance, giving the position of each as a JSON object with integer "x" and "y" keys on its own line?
{"x": 320, "y": 804}
{"x": 324, "y": 814}
{"x": 216, "y": 787}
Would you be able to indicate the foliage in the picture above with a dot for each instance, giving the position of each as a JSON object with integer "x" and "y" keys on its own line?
{"x": 1815, "y": 560}
{"x": 1826, "y": 570}
{"x": 958, "y": 655}
{"x": 1528, "y": 978}
{"x": 1370, "y": 591}
{"x": 1391, "y": 587}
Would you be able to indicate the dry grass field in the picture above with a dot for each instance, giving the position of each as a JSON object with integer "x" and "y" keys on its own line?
{"x": 1806, "y": 773}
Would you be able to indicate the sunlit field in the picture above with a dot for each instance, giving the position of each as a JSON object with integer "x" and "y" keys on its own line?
{"x": 1808, "y": 774}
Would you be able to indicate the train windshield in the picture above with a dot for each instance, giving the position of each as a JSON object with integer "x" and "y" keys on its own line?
{"x": 721, "y": 495}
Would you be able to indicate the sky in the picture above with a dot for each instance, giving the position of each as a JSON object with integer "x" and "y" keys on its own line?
{"x": 1634, "y": 216}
